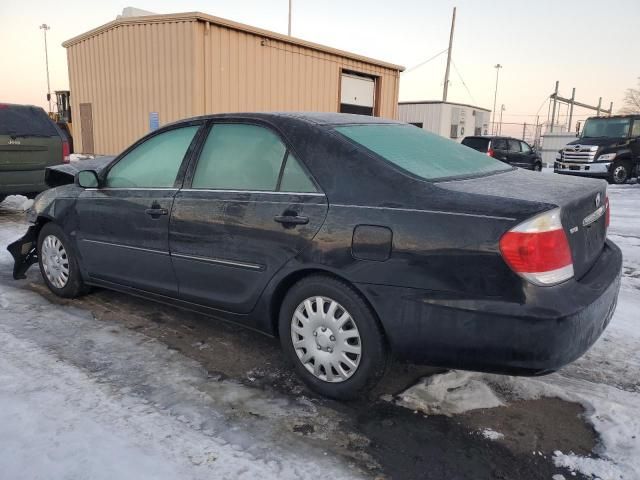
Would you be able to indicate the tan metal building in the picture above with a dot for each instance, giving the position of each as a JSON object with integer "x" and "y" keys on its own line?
{"x": 135, "y": 72}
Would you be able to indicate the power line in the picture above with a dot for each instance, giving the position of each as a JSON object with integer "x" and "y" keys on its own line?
{"x": 462, "y": 80}
{"x": 426, "y": 61}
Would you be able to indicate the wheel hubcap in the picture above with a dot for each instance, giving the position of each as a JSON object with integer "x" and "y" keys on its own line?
{"x": 326, "y": 339}
{"x": 620, "y": 174}
{"x": 55, "y": 261}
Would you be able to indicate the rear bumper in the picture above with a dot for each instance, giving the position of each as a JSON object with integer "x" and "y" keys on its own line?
{"x": 549, "y": 328}
{"x": 587, "y": 169}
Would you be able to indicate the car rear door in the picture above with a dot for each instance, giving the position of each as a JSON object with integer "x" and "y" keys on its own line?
{"x": 500, "y": 149}
{"x": 248, "y": 206}
{"x": 123, "y": 226}
{"x": 29, "y": 142}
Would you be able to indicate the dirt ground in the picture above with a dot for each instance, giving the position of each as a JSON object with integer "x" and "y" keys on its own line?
{"x": 378, "y": 437}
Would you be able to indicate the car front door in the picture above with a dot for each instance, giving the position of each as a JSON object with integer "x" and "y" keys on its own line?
{"x": 123, "y": 225}
{"x": 248, "y": 207}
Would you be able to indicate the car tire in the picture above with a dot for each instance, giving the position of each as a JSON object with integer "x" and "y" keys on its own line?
{"x": 313, "y": 312}
{"x": 58, "y": 263}
{"x": 619, "y": 173}
{"x": 2, "y": 198}
{"x": 537, "y": 167}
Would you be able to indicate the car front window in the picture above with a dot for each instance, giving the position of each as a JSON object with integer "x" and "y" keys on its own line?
{"x": 154, "y": 163}
{"x": 421, "y": 153}
{"x": 606, "y": 127}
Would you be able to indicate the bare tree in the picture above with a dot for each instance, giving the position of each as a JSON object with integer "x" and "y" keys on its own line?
{"x": 631, "y": 100}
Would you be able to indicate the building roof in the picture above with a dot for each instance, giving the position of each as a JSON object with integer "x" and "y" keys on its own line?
{"x": 434, "y": 102}
{"x": 203, "y": 17}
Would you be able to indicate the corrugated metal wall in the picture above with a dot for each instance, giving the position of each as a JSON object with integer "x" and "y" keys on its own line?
{"x": 427, "y": 114}
{"x": 185, "y": 68}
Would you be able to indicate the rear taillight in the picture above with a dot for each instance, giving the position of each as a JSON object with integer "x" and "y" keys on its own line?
{"x": 538, "y": 250}
{"x": 66, "y": 158}
{"x": 607, "y": 212}
{"x": 490, "y": 152}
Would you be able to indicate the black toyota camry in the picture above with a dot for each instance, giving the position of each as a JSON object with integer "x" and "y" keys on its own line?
{"x": 351, "y": 238}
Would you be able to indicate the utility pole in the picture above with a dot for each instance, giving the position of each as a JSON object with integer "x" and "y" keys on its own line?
{"x": 445, "y": 90}
{"x": 524, "y": 130}
{"x": 573, "y": 99}
{"x": 495, "y": 96}
{"x": 46, "y": 27}
{"x": 289, "y": 30}
{"x": 553, "y": 113}
{"x": 502, "y": 109}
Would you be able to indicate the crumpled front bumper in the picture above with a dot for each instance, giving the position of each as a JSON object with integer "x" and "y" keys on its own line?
{"x": 24, "y": 252}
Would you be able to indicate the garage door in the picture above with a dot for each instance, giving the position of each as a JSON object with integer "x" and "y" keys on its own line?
{"x": 357, "y": 94}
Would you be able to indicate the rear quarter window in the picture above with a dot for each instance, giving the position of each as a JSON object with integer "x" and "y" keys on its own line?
{"x": 421, "y": 153}
{"x": 25, "y": 121}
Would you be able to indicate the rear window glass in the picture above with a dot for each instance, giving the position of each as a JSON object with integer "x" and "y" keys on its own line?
{"x": 480, "y": 144}
{"x": 25, "y": 121}
{"x": 422, "y": 153}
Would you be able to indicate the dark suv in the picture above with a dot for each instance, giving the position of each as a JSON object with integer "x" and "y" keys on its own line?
{"x": 29, "y": 142}
{"x": 508, "y": 150}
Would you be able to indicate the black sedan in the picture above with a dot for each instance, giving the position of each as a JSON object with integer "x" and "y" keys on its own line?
{"x": 351, "y": 238}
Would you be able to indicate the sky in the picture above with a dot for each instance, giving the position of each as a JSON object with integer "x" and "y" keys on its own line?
{"x": 590, "y": 44}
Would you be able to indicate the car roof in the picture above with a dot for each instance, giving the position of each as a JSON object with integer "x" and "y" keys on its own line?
{"x": 631, "y": 116}
{"x": 493, "y": 137}
{"x": 316, "y": 118}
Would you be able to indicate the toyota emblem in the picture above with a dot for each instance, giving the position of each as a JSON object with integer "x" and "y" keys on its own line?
{"x": 597, "y": 200}
{"x": 576, "y": 148}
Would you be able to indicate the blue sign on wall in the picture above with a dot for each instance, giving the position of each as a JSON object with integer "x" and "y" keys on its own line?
{"x": 154, "y": 121}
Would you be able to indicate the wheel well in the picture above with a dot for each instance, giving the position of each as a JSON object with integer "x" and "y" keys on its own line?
{"x": 287, "y": 282}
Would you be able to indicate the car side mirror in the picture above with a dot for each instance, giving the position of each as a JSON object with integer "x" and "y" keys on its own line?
{"x": 87, "y": 179}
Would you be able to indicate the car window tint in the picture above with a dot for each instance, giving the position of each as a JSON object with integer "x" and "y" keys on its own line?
{"x": 239, "y": 157}
{"x": 525, "y": 147}
{"x": 499, "y": 144}
{"x": 421, "y": 153}
{"x": 514, "y": 146}
{"x": 480, "y": 144}
{"x": 294, "y": 178}
{"x": 154, "y": 163}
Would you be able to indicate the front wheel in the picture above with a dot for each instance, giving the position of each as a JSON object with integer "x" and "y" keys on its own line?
{"x": 619, "y": 173}
{"x": 537, "y": 167}
{"x": 332, "y": 337}
{"x": 58, "y": 264}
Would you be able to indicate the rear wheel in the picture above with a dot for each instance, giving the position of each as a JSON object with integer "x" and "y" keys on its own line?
{"x": 58, "y": 264}
{"x": 332, "y": 337}
{"x": 619, "y": 173}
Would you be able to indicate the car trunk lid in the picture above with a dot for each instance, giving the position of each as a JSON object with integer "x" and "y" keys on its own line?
{"x": 578, "y": 199}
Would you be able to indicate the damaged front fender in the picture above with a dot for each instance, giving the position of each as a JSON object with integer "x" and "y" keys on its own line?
{"x": 24, "y": 252}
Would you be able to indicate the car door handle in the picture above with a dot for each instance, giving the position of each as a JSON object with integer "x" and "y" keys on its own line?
{"x": 291, "y": 219}
{"x": 156, "y": 212}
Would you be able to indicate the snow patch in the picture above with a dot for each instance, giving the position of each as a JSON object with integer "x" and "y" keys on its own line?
{"x": 449, "y": 394}
{"x": 593, "y": 467}
{"x": 490, "y": 434}
{"x": 17, "y": 202}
